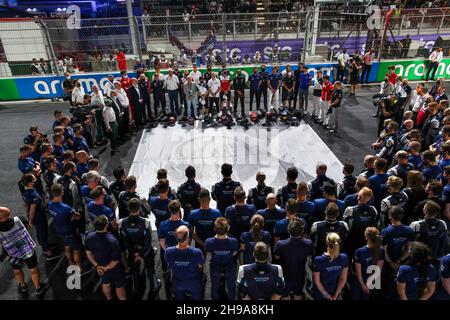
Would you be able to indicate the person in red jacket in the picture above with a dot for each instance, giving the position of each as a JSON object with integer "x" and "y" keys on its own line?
{"x": 125, "y": 81}
{"x": 121, "y": 60}
{"x": 327, "y": 91}
{"x": 392, "y": 75}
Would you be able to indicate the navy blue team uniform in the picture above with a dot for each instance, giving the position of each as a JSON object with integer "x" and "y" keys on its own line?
{"x": 364, "y": 257}
{"x": 154, "y": 193}
{"x": 293, "y": 253}
{"x": 247, "y": 239}
{"x": 64, "y": 226}
{"x": 432, "y": 232}
{"x": 260, "y": 281}
{"x": 81, "y": 169}
{"x": 223, "y": 192}
{"x": 136, "y": 238}
{"x": 410, "y": 275}
{"x": 222, "y": 262}
{"x": 395, "y": 238}
{"x": 166, "y": 231}
{"x": 258, "y": 195}
{"x": 188, "y": 196}
{"x": 186, "y": 277}
{"x": 271, "y": 217}
{"x": 85, "y": 192}
{"x": 305, "y": 210}
{"x": 280, "y": 230}
{"x": 352, "y": 200}
{"x": 239, "y": 218}
{"x": 441, "y": 293}
{"x": 377, "y": 183}
{"x": 316, "y": 187}
{"x": 105, "y": 248}
{"x": 330, "y": 271}
{"x": 95, "y": 210}
{"x": 286, "y": 192}
{"x": 321, "y": 204}
{"x": 160, "y": 209}
{"x": 358, "y": 219}
{"x": 80, "y": 144}
{"x": 26, "y": 165}
{"x": 319, "y": 231}
{"x": 203, "y": 222}
{"x": 30, "y": 197}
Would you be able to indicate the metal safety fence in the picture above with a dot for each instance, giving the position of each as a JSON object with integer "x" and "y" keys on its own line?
{"x": 278, "y": 37}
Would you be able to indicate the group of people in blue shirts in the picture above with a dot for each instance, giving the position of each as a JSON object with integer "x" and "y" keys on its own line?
{"x": 381, "y": 234}
{"x": 365, "y": 237}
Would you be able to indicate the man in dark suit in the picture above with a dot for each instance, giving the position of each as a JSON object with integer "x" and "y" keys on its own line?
{"x": 137, "y": 101}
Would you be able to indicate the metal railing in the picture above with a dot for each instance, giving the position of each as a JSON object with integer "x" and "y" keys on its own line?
{"x": 90, "y": 46}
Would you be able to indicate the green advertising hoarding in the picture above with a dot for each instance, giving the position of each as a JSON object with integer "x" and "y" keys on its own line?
{"x": 8, "y": 90}
{"x": 413, "y": 69}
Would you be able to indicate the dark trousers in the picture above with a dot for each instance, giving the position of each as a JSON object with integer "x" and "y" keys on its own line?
{"x": 214, "y": 101}
{"x": 126, "y": 121}
{"x": 147, "y": 107}
{"x": 41, "y": 225}
{"x": 432, "y": 68}
{"x": 340, "y": 74}
{"x": 237, "y": 97}
{"x": 149, "y": 268}
{"x": 139, "y": 111}
{"x": 159, "y": 99}
{"x": 99, "y": 125}
{"x": 303, "y": 103}
{"x": 119, "y": 121}
{"x": 113, "y": 135}
{"x": 264, "y": 95}
{"x": 257, "y": 95}
{"x": 173, "y": 100}
{"x": 365, "y": 73}
{"x": 230, "y": 282}
{"x": 180, "y": 93}
{"x": 296, "y": 92}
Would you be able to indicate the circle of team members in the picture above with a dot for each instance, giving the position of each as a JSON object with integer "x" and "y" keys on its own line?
{"x": 316, "y": 246}
{"x": 391, "y": 220}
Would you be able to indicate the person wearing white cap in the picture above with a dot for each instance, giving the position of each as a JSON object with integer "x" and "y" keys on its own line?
{"x": 171, "y": 83}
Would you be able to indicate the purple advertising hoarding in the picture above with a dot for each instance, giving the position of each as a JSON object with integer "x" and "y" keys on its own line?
{"x": 243, "y": 47}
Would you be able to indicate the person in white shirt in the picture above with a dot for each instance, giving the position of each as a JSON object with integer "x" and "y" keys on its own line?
{"x": 342, "y": 60}
{"x": 124, "y": 104}
{"x": 422, "y": 95}
{"x": 77, "y": 93}
{"x": 367, "y": 66}
{"x": 172, "y": 84}
{"x": 111, "y": 126}
{"x": 98, "y": 101}
{"x": 109, "y": 85}
{"x": 214, "y": 90}
{"x": 195, "y": 74}
{"x": 435, "y": 59}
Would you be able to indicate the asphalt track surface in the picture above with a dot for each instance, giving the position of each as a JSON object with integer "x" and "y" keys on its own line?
{"x": 356, "y": 133}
